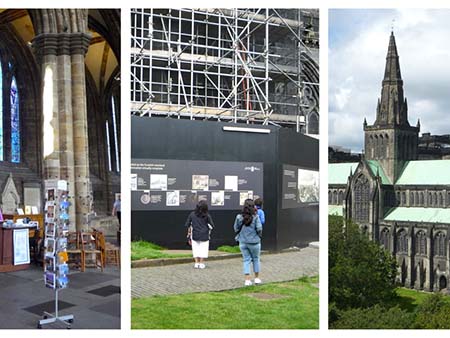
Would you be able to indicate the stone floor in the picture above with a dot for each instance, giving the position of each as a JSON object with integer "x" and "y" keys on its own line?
{"x": 93, "y": 297}
{"x": 222, "y": 274}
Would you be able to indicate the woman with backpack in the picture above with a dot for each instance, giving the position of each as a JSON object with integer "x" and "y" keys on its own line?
{"x": 248, "y": 229}
{"x": 199, "y": 224}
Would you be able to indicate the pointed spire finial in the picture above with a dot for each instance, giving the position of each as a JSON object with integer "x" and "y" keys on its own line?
{"x": 392, "y": 26}
{"x": 418, "y": 123}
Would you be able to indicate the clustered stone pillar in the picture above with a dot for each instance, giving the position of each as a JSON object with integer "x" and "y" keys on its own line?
{"x": 64, "y": 53}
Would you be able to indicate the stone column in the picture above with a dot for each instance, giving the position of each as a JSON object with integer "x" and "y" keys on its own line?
{"x": 83, "y": 187}
{"x": 64, "y": 54}
{"x": 428, "y": 286}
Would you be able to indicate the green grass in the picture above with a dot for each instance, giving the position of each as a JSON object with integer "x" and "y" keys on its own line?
{"x": 147, "y": 250}
{"x": 230, "y": 249}
{"x": 292, "y": 305}
{"x": 409, "y": 299}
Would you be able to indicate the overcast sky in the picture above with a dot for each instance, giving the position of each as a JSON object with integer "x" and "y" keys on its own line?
{"x": 358, "y": 42}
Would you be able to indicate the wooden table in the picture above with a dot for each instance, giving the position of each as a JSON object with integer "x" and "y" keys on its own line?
{"x": 7, "y": 250}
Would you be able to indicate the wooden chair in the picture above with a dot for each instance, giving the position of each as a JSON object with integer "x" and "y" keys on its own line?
{"x": 111, "y": 253}
{"x": 89, "y": 246}
{"x": 74, "y": 249}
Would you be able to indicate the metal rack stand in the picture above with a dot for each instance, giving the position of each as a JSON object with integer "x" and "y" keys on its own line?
{"x": 57, "y": 225}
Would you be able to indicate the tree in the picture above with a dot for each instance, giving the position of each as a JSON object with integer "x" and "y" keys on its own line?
{"x": 361, "y": 272}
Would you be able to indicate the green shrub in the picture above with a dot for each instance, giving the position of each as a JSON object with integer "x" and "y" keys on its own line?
{"x": 376, "y": 317}
{"x": 230, "y": 249}
{"x": 433, "y": 313}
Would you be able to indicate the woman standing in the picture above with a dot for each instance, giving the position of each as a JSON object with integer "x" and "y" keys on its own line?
{"x": 248, "y": 229}
{"x": 200, "y": 224}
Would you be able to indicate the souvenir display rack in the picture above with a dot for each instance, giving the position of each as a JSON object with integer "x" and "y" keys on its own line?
{"x": 56, "y": 268}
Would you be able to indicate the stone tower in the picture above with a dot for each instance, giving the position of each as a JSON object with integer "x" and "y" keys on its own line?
{"x": 391, "y": 140}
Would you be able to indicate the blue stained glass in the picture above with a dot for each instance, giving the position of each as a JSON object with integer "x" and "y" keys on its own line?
{"x": 15, "y": 122}
{"x": 1, "y": 113}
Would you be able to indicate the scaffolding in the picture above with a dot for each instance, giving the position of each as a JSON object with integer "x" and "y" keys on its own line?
{"x": 237, "y": 65}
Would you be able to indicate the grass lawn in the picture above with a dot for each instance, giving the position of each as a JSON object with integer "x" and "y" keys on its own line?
{"x": 230, "y": 249}
{"x": 409, "y": 299}
{"x": 147, "y": 250}
{"x": 287, "y": 305}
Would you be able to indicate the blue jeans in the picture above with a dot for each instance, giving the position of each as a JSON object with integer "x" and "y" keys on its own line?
{"x": 250, "y": 253}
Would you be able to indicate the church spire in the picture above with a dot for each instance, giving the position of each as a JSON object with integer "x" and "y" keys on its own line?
{"x": 392, "y": 108}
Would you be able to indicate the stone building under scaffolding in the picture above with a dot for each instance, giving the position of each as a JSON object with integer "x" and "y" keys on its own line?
{"x": 243, "y": 65}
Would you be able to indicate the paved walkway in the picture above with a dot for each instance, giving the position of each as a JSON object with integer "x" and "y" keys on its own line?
{"x": 93, "y": 297}
{"x": 221, "y": 275}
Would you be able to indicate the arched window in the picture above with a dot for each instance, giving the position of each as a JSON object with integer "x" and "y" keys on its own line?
{"x": 10, "y": 142}
{"x": 330, "y": 197}
{"x": 341, "y": 197}
{"x": 439, "y": 244}
{"x": 411, "y": 199}
{"x": 362, "y": 190}
{"x": 441, "y": 200}
{"x": 384, "y": 238}
{"x": 422, "y": 199}
{"x": 15, "y": 122}
{"x": 402, "y": 241}
{"x": 335, "y": 197}
{"x": 112, "y": 136}
{"x": 421, "y": 243}
{"x": 403, "y": 198}
{"x": 313, "y": 123}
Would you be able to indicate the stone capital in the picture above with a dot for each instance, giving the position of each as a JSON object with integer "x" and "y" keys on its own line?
{"x": 61, "y": 44}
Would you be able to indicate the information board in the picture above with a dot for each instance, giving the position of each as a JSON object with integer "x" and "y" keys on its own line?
{"x": 300, "y": 187}
{"x": 179, "y": 184}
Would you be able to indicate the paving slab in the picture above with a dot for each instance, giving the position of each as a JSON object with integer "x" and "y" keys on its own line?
{"x": 221, "y": 274}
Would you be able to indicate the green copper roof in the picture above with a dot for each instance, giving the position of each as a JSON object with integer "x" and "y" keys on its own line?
{"x": 338, "y": 173}
{"x": 435, "y": 172}
{"x": 429, "y": 215}
{"x": 336, "y": 210}
{"x": 376, "y": 167}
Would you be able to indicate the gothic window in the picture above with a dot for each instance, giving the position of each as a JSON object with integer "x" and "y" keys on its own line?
{"x": 313, "y": 123}
{"x": 448, "y": 199}
{"x": 341, "y": 197}
{"x": 434, "y": 199}
{"x": 384, "y": 238}
{"x": 330, "y": 197}
{"x": 397, "y": 202}
{"x": 417, "y": 198}
{"x": 15, "y": 122}
{"x": 403, "y": 198}
{"x": 411, "y": 199}
{"x": 441, "y": 200}
{"x": 439, "y": 244}
{"x": 421, "y": 243}
{"x": 335, "y": 201}
{"x": 430, "y": 199}
{"x": 402, "y": 238}
{"x": 10, "y": 142}
{"x": 112, "y": 138}
{"x": 422, "y": 199}
{"x": 362, "y": 190}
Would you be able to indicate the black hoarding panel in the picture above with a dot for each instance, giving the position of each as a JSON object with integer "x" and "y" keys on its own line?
{"x": 190, "y": 141}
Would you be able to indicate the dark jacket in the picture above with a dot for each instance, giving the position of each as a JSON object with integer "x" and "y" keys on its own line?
{"x": 200, "y": 229}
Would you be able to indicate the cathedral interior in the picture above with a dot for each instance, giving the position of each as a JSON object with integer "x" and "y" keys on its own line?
{"x": 60, "y": 108}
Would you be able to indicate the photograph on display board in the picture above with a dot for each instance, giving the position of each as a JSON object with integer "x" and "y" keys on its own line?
{"x": 158, "y": 182}
{"x": 308, "y": 186}
{"x": 221, "y": 137}
{"x": 200, "y": 182}
{"x": 44, "y": 156}
{"x": 218, "y": 198}
{"x": 231, "y": 183}
{"x": 173, "y": 198}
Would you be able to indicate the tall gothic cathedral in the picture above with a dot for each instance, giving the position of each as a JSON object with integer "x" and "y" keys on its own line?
{"x": 399, "y": 201}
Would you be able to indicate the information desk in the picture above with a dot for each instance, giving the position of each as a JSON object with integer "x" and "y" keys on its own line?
{"x": 9, "y": 251}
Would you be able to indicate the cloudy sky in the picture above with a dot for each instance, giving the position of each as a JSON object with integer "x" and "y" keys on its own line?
{"x": 358, "y": 42}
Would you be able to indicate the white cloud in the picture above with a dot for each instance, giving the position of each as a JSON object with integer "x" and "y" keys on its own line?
{"x": 421, "y": 37}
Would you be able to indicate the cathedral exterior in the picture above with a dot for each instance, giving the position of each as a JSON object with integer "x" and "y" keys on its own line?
{"x": 399, "y": 201}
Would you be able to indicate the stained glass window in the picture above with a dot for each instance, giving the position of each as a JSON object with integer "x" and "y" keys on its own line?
{"x": 108, "y": 146}
{"x": 15, "y": 122}
{"x": 362, "y": 199}
{"x": 1, "y": 113}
